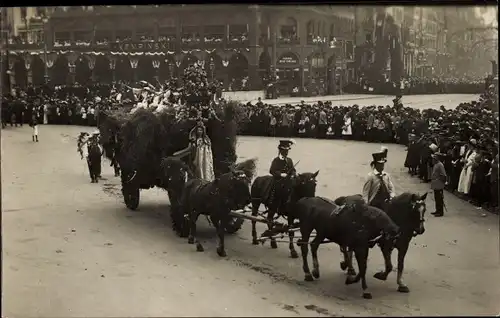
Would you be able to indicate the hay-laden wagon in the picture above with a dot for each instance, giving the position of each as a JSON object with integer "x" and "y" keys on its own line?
{"x": 140, "y": 141}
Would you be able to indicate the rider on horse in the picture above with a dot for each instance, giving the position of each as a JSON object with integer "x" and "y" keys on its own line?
{"x": 378, "y": 189}
{"x": 281, "y": 168}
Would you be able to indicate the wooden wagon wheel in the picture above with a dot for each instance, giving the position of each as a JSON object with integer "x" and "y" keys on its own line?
{"x": 131, "y": 197}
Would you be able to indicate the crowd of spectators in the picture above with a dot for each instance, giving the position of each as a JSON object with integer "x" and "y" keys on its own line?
{"x": 470, "y": 126}
{"x": 420, "y": 85}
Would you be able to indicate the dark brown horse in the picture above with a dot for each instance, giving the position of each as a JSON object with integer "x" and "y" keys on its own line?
{"x": 408, "y": 213}
{"x": 176, "y": 174}
{"x": 216, "y": 199}
{"x": 354, "y": 226}
{"x": 287, "y": 194}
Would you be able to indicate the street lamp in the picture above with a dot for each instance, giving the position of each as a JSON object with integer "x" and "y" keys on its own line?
{"x": 46, "y": 69}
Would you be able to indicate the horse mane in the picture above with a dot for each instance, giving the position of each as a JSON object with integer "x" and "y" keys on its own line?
{"x": 401, "y": 202}
{"x": 403, "y": 198}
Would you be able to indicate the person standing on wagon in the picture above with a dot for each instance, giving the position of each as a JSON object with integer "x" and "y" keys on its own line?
{"x": 34, "y": 125}
{"x": 378, "y": 189}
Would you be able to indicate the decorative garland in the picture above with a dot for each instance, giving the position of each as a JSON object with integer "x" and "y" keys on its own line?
{"x": 22, "y": 52}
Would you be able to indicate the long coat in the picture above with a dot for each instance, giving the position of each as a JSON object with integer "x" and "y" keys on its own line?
{"x": 467, "y": 174}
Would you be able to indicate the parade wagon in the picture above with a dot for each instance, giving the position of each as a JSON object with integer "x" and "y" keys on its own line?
{"x": 144, "y": 141}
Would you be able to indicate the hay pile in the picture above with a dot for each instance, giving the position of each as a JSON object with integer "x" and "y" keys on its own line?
{"x": 146, "y": 136}
{"x": 143, "y": 140}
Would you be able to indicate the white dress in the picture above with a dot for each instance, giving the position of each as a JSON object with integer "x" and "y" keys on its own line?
{"x": 347, "y": 130}
{"x": 467, "y": 174}
{"x": 203, "y": 160}
{"x": 45, "y": 115}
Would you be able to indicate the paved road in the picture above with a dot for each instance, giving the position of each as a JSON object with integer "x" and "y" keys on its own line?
{"x": 416, "y": 101}
{"x": 72, "y": 249}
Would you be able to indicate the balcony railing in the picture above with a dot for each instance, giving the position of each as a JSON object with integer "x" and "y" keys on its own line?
{"x": 25, "y": 46}
{"x": 288, "y": 41}
{"x": 317, "y": 40}
{"x": 237, "y": 43}
{"x": 190, "y": 43}
{"x": 214, "y": 42}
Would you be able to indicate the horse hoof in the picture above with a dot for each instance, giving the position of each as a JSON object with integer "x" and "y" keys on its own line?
{"x": 343, "y": 266}
{"x": 293, "y": 254}
{"x": 350, "y": 280}
{"x": 315, "y": 273}
{"x": 274, "y": 244}
{"x": 308, "y": 278}
{"x": 255, "y": 242}
{"x": 199, "y": 248}
{"x": 403, "y": 289}
{"x": 191, "y": 240}
{"x": 351, "y": 272}
{"x": 221, "y": 252}
{"x": 380, "y": 276}
{"x": 367, "y": 295}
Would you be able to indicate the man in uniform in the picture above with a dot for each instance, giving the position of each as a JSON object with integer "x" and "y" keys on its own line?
{"x": 438, "y": 182}
{"x": 378, "y": 189}
{"x": 281, "y": 167}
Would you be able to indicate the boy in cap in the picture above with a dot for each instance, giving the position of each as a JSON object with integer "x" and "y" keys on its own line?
{"x": 281, "y": 166}
{"x": 378, "y": 189}
{"x": 438, "y": 182}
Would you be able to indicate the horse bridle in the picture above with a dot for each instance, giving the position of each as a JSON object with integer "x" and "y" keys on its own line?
{"x": 416, "y": 209}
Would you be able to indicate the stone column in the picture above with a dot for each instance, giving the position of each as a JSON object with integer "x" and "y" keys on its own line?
{"x": 171, "y": 68}
{"x": 133, "y": 63}
{"x": 112, "y": 67}
{"x": 12, "y": 73}
{"x": 72, "y": 57}
{"x": 91, "y": 64}
{"x": 225, "y": 63}
{"x": 72, "y": 76}
{"x": 48, "y": 59}
{"x": 178, "y": 62}
{"x": 254, "y": 82}
{"x": 27, "y": 64}
{"x": 274, "y": 39}
{"x": 156, "y": 66}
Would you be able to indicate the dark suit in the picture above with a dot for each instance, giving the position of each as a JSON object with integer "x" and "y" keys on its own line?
{"x": 279, "y": 165}
{"x": 438, "y": 181}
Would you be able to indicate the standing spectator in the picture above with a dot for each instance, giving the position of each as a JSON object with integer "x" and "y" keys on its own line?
{"x": 34, "y": 125}
{"x": 438, "y": 182}
{"x": 467, "y": 173}
{"x": 322, "y": 123}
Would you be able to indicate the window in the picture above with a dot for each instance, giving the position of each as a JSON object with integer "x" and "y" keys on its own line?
{"x": 289, "y": 29}
{"x": 23, "y": 14}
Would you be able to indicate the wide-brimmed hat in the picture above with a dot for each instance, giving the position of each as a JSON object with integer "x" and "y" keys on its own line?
{"x": 379, "y": 157}
{"x": 286, "y": 144}
{"x": 438, "y": 155}
{"x": 433, "y": 147}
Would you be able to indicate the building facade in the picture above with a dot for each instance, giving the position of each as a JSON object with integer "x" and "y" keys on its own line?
{"x": 303, "y": 45}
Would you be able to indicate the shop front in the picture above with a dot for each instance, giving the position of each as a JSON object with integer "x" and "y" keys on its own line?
{"x": 318, "y": 75}
{"x": 289, "y": 73}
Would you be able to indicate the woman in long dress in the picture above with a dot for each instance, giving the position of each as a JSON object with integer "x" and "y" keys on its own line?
{"x": 467, "y": 173}
{"x": 347, "y": 129}
{"x": 200, "y": 149}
